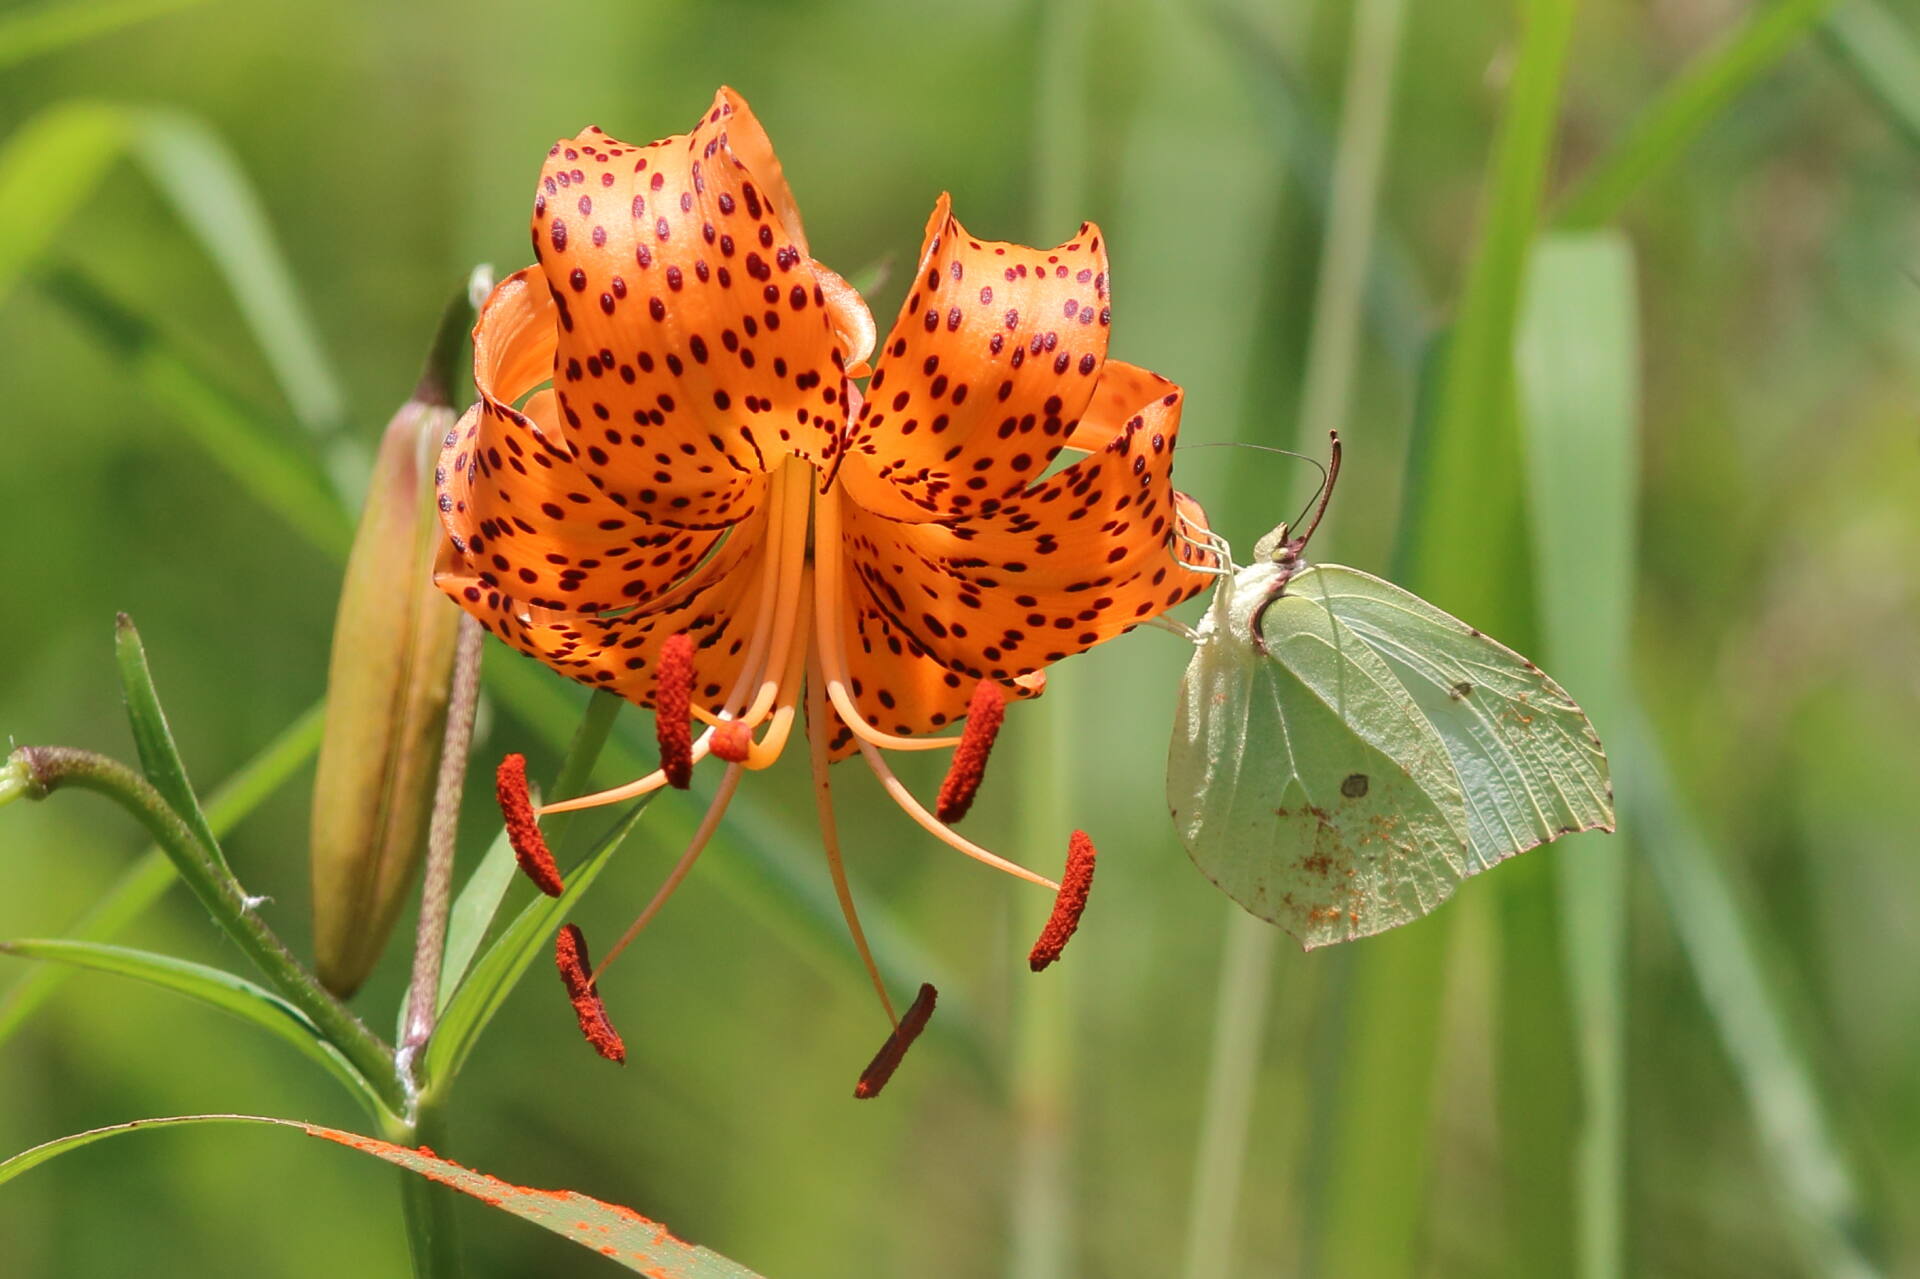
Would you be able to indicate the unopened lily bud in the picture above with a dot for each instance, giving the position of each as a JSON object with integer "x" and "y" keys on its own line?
{"x": 387, "y": 688}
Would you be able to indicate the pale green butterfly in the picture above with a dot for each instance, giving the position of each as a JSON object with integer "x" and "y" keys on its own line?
{"x": 1345, "y": 752}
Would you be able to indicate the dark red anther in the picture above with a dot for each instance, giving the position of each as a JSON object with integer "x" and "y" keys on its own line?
{"x": 888, "y": 1059}
{"x": 731, "y": 741}
{"x": 523, "y": 829}
{"x": 1072, "y": 899}
{"x": 672, "y": 709}
{"x": 984, "y": 715}
{"x": 576, "y": 969}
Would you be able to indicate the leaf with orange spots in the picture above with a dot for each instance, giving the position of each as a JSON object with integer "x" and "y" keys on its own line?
{"x": 619, "y": 1234}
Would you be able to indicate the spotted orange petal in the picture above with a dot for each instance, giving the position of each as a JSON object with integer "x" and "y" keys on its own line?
{"x": 1081, "y": 557}
{"x": 990, "y": 366}
{"x": 698, "y": 342}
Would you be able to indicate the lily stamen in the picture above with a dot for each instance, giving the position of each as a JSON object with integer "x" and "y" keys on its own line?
{"x": 938, "y": 829}
{"x": 570, "y": 956}
{"x": 891, "y": 1053}
{"x": 672, "y": 708}
{"x": 1075, "y": 882}
{"x": 985, "y": 712}
{"x": 523, "y": 831}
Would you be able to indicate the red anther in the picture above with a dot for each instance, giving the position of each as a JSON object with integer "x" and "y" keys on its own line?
{"x": 523, "y": 829}
{"x": 731, "y": 741}
{"x": 1067, "y": 906}
{"x": 984, "y": 715}
{"x": 672, "y": 707}
{"x": 570, "y": 956}
{"x": 888, "y": 1059}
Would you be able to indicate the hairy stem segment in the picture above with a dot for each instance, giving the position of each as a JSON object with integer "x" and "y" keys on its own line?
{"x": 49, "y": 768}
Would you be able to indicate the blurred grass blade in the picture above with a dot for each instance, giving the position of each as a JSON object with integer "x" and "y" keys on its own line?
{"x": 265, "y": 459}
{"x": 1462, "y": 539}
{"x": 1578, "y": 360}
{"x": 479, "y": 899}
{"x": 33, "y": 30}
{"x": 1880, "y": 52}
{"x": 143, "y": 883}
{"x": 1810, "y": 1168}
{"x": 499, "y": 970}
{"x": 1695, "y": 99}
{"x": 212, "y": 986}
{"x": 48, "y": 168}
{"x": 619, "y": 1234}
{"x": 197, "y": 172}
{"x": 159, "y": 756}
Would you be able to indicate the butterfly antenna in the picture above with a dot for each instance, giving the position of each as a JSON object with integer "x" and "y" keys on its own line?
{"x": 1330, "y": 474}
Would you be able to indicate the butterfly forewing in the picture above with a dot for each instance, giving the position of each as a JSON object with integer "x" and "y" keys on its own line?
{"x": 1305, "y": 782}
{"x": 1528, "y": 761}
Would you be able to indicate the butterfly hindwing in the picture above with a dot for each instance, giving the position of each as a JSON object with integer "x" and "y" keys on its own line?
{"x": 1305, "y": 782}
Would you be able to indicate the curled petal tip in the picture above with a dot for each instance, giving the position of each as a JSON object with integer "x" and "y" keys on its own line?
{"x": 985, "y": 713}
{"x": 894, "y": 1051}
{"x": 523, "y": 829}
{"x": 672, "y": 707}
{"x": 570, "y": 956}
{"x": 1068, "y": 904}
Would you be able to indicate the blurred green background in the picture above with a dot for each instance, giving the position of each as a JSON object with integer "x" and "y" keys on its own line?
{"x": 1720, "y": 1077}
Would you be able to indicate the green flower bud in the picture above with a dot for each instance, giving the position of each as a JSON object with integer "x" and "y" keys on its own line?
{"x": 387, "y": 687}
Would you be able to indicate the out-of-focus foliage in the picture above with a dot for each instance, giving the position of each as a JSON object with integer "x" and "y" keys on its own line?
{"x": 391, "y": 146}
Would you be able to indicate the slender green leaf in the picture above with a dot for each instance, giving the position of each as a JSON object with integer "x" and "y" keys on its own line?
{"x": 200, "y": 177}
{"x": 215, "y": 987}
{"x": 1694, "y": 100}
{"x": 479, "y": 899}
{"x": 159, "y": 756}
{"x": 33, "y": 30}
{"x": 48, "y": 167}
{"x": 267, "y": 460}
{"x": 499, "y": 970}
{"x": 619, "y": 1234}
{"x": 1880, "y": 52}
{"x": 1578, "y": 359}
{"x": 143, "y": 883}
{"x": 1805, "y": 1160}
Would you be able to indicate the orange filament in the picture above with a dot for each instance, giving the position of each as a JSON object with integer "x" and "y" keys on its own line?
{"x": 1067, "y": 906}
{"x": 732, "y": 741}
{"x": 673, "y": 707}
{"x": 729, "y": 782}
{"x": 985, "y": 712}
{"x": 891, "y": 1053}
{"x": 523, "y": 831}
{"x": 570, "y": 956}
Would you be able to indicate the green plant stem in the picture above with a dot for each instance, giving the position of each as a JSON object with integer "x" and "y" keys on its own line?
{"x": 1880, "y": 53}
{"x": 433, "y": 1238}
{"x": 1686, "y": 107}
{"x": 436, "y": 882}
{"x": 51, "y": 768}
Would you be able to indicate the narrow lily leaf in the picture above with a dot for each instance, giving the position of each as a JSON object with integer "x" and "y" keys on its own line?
{"x": 479, "y": 900}
{"x": 200, "y": 177}
{"x": 619, "y": 1234}
{"x": 1882, "y": 55}
{"x": 34, "y": 30}
{"x": 499, "y": 970}
{"x": 143, "y": 883}
{"x": 212, "y": 986}
{"x": 263, "y": 457}
{"x": 48, "y": 167}
{"x": 159, "y": 756}
{"x": 1578, "y": 360}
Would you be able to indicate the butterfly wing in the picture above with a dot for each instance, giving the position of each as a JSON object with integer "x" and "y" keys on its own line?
{"x": 1305, "y": 782}
{"x": 1529, "y": 763}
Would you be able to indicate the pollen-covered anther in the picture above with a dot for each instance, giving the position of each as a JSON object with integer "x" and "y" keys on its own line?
{"x": 1067, "y": 904}
{"x": 523, "y": 829}
{"x": 985, "y": 713}
{"x": 576, "y": 971}
{"x": 732, "y": 741}
{"x": 672, "y": 709}
{"x": 891, "y": 1053}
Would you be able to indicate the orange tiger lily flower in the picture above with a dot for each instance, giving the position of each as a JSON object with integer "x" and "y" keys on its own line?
{"x": 706, "y": 465}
